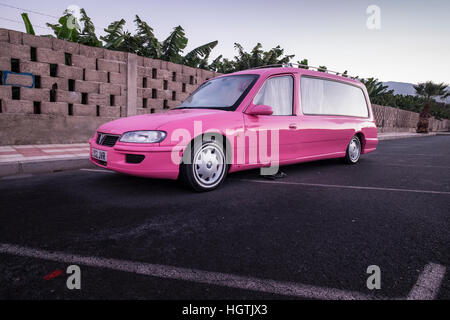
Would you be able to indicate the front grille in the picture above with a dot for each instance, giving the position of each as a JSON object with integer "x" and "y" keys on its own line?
{"x": 108, "y": 140}
{"x": 134, "y": 158}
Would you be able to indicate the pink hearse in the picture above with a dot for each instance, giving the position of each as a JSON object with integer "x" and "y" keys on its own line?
{"x": 257, "y": 118}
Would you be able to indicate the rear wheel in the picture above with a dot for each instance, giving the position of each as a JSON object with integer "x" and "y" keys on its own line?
{"x": 353, "y": 150}
{"x": 207, "y": 169}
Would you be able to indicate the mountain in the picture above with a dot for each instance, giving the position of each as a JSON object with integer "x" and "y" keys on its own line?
{"x": 406, "y": 88}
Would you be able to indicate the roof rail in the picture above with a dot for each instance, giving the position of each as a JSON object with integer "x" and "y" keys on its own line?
{"x": 304, "y": 66}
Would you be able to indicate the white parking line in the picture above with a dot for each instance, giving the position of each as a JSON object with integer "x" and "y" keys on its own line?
{"x": 344, "y": 186}
{"x": 427, "y": 286}
{"x": 193, "y": 275}
{"x": 428, "y": 283}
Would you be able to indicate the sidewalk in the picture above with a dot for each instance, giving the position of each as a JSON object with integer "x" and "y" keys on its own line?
{"x": 29, "y": 159}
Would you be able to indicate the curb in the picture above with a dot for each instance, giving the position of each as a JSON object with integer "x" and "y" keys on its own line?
{"x": 412, "y": 135}
{"x": 42, "y": 166}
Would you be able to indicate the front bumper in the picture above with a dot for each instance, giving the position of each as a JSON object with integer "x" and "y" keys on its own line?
{"x": 157, "y": 163}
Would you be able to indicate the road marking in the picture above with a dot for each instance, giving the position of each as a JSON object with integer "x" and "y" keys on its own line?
{"x": 428, "y": 283}
{"x": 427, "y": 286}
{"x": 192, "y": 275}
{"x": 415, "y": 165}
{"x": 344, "y": 186}
{"x": 97, "y": 170}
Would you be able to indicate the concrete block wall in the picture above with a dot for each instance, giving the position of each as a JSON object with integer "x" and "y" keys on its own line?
{"x": 79, "y": 87}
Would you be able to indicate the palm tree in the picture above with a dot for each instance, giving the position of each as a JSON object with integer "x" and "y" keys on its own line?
{"x": 429, "y": 90}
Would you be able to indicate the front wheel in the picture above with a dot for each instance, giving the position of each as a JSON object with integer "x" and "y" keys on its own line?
{"x": 207, "y": 169}
{"x": 353, "y": 151}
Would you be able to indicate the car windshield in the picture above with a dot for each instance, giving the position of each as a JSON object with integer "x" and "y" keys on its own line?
{"x": 221, "y": 93}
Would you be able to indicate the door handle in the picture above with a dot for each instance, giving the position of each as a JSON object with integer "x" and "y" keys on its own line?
{"x": 292, "y": 126}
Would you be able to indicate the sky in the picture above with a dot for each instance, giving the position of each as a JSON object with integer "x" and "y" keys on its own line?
{"x": 412, "y": 43}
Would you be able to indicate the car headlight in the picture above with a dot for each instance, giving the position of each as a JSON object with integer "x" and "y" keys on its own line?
{"x": 143, "y": 136}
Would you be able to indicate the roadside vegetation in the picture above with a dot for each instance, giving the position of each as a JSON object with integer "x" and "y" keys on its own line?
{"x": 144, "y": 43}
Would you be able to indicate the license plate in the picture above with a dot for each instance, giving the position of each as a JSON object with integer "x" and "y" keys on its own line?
{"x": 99, "y": 154}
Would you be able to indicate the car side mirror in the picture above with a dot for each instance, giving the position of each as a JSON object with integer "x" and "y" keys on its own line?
{"x": 259, "y": 110}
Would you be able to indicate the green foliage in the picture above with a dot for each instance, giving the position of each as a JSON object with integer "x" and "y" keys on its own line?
{"x": 88, "y": 36}
{"x": 375, "y": 88}
{"x": 429, "y": 90}
{"x": 67, "y": 27}
{"x": 257, "y": 57}
{"x": 28, "y": 25}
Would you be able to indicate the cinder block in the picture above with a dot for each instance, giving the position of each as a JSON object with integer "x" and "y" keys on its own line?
{"x": 165, "y": 94}
{"x": 55, "y": 108}
{"x": 109, "y": 88}
{"x": 155, "y": 103}
{"x": 173, "y": 67}
{"x": 191, "y": 88}
{"x": 123, "y": 67}
{"x": 181, "y": 96}
{"x": 108, "y": 65}
{"x": 32, "y": 94}
{"x": 109, "y": 111}
{"x": 175, "y": 86}
{"x": 140, "y": 60}
{"x": 139, "y": 102}
{"x": 120, "y": 100}
{"x": 16, "y": 51}
{"x": 48, "y": 82}
{"x": 50, "y": 56}
{"x": 15, "y": 37}
{"x": 206, "y": 74}
{"x": 118, "y": 78}
{"x": 68, "y": 96}
{"x": 84, "y": 110}
{"x": 92, "y": 52}
{"x": 189, "y": 71}
{"x": 4, "y": 35}
{"x": 70, "y": 72}
{"x": 115, "y": 55}
{"x": 19, "y": 80}
{"x": 83, "y": 62}
{"x": 155, "y": 83}
{"x": 144, "y": 71}
{"x": 5, "y": 92}
{"x": 98, "y": 99}
{"x": 152, "y": 63}
{"x": 172, "y": 104}
{"x": 37, "y": 42}
{"x": 97, "y": 76}
{"x": 18, "y": 106}
{"x": 65, "y": 46}
{"x": 164, "y": 74}
{"x": 87, "y": 86}
{"x": 123, "y": 111}
{"x": 36, "y": 68}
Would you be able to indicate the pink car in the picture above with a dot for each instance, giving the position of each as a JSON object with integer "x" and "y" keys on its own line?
{"x": 258, "y": 118}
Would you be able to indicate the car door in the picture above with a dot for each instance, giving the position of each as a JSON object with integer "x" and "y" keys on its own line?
{"x": 274, "y": 135}
{"x": 324, "y": 132}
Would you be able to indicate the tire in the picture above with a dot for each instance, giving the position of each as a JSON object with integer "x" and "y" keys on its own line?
{"x": 353, "y": 153}
{"x": 207, "y": 168}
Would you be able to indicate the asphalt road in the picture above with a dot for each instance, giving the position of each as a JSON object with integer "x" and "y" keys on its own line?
{"x": 309, "y": 228}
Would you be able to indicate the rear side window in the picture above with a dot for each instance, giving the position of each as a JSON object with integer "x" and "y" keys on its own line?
{"x": 277, "y": 92}
{"x": 327, "y": 97}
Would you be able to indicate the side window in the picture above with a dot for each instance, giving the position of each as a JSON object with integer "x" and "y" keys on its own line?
{"x": 327, "y": 97}
{"x": 277, "y": 92}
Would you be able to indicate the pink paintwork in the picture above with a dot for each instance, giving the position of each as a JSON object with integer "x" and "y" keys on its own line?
{"x": 301, "y": 137}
